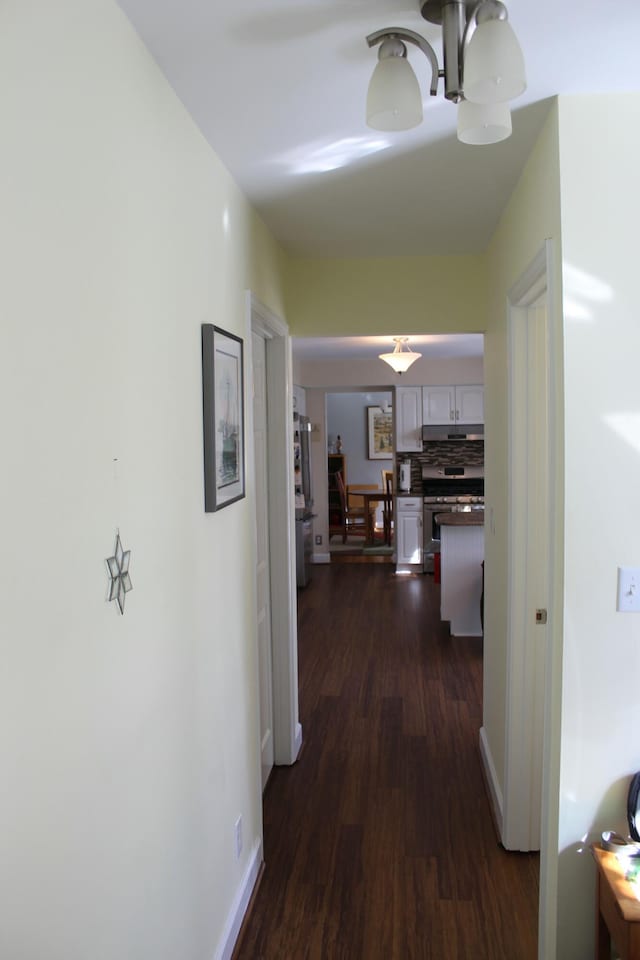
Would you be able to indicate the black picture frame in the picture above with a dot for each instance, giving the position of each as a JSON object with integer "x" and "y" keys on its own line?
{"x": 223, "y": 417}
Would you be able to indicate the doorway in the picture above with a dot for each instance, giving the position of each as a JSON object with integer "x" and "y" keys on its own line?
{"x": 530, "y": 567}
{"x": 271, "y": 459}
{"x": 263, "y": 568}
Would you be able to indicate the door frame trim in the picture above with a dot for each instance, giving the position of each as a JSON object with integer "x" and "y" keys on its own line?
{"x": 287, "y": 731}
{"x": 522, "y": 788}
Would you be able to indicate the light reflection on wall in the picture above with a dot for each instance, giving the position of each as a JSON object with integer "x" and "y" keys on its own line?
{"x": 627, "y": 426}
{"x": 580, "y": 290}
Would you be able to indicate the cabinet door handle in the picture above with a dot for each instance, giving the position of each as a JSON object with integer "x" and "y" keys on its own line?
{"x": 451, "y": 415}
{"x": 457, "y": 414}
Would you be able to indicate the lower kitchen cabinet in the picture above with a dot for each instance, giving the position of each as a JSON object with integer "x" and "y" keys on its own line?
{"x": 408, "y": 531}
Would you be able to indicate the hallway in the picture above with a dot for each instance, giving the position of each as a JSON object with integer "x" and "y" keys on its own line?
{"x": 379, "y": 843}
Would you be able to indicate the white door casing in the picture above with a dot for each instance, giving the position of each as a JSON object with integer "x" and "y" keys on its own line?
{"x": 530, "y": 567}
{"x": 263, "y": 578}
{"x": 287, "y": 731}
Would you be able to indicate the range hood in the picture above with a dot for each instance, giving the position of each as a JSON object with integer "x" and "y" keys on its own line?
{"x": 454, "y": 431}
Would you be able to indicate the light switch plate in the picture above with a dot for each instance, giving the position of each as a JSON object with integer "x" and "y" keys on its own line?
{"x": 629, "y": 589}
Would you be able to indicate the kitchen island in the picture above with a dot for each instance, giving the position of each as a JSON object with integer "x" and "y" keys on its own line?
{"x": 461, "y": 557}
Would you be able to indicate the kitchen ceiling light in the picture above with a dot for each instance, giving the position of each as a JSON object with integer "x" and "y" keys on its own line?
{"x": 402, "y": 357}
{"x": 483, "y": 64}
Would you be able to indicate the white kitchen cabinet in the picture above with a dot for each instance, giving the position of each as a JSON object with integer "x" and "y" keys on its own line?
{"x": 408, "y": 419}
{"x": 408, "y": 531}
{"x": 453, "y": 405}
{"x": 438, "y": 404}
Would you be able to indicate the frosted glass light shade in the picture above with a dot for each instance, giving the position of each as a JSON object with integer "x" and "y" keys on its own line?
{"x": 394, "y": 101}
{"x": 402, "y": 357}
{"x": 493, "y": 64}
{"x": 482, "y": 123}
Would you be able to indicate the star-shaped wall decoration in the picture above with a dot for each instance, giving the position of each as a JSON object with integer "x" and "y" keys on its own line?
{"x": 118, "y": 566}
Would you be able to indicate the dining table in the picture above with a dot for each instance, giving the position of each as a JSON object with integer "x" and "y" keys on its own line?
{"x": 371, "y": 498}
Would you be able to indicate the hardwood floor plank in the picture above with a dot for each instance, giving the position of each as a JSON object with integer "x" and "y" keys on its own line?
{"x": 379, "y": 843}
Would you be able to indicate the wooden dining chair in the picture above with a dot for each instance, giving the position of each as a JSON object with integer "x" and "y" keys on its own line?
{"x": 353, "y": 519}
{"x": 387, "y": 511}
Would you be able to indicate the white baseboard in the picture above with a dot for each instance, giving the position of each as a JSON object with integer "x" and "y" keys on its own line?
{"x": 491, "y": 779}
{"x": 321, "y": 558}
{"x": 240, "y": 904}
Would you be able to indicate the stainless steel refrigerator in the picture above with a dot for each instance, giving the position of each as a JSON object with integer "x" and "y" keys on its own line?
{"x": 304, "y": 500}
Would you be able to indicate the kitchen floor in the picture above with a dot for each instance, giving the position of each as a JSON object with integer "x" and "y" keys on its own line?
{"x": 379, "y": 843}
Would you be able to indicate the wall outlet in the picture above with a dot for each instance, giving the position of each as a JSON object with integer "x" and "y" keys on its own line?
{"x": 237, "y": 829}
{"x": 629, "y": 589}
{"x": 318, "y": 539}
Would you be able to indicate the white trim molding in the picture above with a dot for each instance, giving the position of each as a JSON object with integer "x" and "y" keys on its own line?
{"x": 530, "y": 307}
{"x": 282, "y": 550}
{"x": 239, "y": 906}
{"x": 491, "y": 779}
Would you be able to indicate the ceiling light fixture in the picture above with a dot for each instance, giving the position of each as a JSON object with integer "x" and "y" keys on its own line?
{"x": 402, "y": 357}
{"x": 483, "y": 70}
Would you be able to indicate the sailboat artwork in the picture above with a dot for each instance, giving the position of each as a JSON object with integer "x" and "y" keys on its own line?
{"x": 223, "y": 417}
{"x": 228, "y": 460}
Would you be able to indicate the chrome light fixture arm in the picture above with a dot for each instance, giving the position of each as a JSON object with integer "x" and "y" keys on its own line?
{"x": 402, "y": 34}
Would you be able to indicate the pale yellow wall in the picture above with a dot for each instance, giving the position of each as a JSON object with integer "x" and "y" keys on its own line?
{"x": 601, "y": 663}
{"x": 531, "y": 216}
{"x": 129, "y": 744}
{"x": 401, "y": 295}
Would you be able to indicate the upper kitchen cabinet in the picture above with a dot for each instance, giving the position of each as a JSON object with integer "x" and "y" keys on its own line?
{"x": 408, "y": 419}
{"x": 447, "y": 405}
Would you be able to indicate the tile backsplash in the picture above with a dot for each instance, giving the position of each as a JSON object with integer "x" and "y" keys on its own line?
{"x": 448, "y": 453}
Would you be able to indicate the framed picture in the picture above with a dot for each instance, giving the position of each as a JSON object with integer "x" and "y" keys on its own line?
{"x": 223, "y": 417}
{"x": 380, "y": 433}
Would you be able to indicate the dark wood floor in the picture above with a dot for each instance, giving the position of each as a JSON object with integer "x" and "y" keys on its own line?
{"x": 379, "y": 843}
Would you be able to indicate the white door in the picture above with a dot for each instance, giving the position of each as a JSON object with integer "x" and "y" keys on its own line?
{"x": 263, "y": 579}
{"x": 530, "y": 561}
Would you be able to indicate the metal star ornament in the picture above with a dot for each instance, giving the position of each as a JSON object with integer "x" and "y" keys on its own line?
{"x": 118, "y": 566}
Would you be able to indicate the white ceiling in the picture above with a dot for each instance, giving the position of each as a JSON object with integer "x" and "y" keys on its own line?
{"x": 278, "y": 88}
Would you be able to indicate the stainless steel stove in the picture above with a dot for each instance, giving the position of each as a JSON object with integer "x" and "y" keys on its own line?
{"x": 454, "y": 488}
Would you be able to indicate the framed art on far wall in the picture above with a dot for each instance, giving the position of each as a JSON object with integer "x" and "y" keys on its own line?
{"x": 223, "y": 417}
{"x": 380, "y": 433}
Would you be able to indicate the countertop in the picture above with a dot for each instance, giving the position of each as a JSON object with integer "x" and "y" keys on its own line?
{"x": 473, "y": 518}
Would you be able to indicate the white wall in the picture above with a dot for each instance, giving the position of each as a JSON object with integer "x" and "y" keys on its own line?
{"x": 347, "y": 417}
{"x": 601, "y": 700}
{"x": 129, "y": 744}
{"x": 579, "y": 191}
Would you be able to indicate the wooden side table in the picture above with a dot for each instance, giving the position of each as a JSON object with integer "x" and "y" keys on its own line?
{"x": 617, "y": 909}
